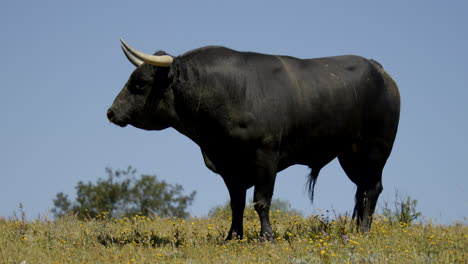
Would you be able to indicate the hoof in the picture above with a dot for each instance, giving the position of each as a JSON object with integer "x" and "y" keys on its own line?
{"x": 267, "y": 237}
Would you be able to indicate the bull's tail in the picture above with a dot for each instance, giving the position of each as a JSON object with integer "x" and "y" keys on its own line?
{"x": 314, "y": 173}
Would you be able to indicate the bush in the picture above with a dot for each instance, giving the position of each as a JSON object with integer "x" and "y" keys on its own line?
{"x": 404, "y": 210}
{"x": 277, "y": 205}
{"x": 123, "y": 194}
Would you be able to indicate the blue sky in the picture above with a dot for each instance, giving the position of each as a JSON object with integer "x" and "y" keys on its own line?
{"x": 62, "y": 66}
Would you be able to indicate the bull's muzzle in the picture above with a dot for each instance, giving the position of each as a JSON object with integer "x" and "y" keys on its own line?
{"x": 112, "y": 117}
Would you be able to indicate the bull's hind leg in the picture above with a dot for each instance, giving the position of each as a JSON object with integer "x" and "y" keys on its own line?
{"x": 363, "y": 165}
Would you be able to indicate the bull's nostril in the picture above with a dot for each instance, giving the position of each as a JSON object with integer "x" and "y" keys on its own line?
{"x": 110, "y": 114}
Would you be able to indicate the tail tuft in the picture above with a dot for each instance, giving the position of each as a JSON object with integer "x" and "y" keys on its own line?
{"x": 314, "y": 173}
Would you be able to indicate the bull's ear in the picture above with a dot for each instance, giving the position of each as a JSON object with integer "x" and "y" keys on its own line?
{"x": 161, "y": 53}
{"x": 131, "y": 58}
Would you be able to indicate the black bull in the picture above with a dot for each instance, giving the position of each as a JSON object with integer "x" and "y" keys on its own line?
{"x": 254, "y": 115}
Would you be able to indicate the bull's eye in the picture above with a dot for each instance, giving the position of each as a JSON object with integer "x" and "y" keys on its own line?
{"x": 137, "y": 88}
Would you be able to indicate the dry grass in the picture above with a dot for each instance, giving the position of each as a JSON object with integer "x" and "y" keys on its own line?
{"x": 201, "y": 240}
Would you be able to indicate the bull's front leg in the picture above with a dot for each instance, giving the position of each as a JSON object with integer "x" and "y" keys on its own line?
{"x": 263, "y": 194}
{"x": 262, "y": 202}
{"x": 237, "y": 195}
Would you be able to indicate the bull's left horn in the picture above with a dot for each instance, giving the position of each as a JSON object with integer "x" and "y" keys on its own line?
{"x": 162, "y": 60}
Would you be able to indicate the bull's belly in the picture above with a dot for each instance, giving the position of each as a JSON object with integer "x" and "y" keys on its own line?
{"x": 314, "y": 154}
{"x": 242, "y": 157}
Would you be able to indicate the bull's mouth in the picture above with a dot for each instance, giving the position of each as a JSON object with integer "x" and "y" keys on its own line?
{"x": 120, "y": 124}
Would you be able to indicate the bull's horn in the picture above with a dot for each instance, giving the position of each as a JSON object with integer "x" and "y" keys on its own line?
{"x": 131, "y": 58}
{"x": 162, "y": 61}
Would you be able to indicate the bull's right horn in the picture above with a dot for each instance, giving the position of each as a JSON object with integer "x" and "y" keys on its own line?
{"x": 161, "y": 61}
{"x": 131, "y": 58}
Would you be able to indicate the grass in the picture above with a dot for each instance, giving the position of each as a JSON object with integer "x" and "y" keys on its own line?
{"x": 314, "y": 239}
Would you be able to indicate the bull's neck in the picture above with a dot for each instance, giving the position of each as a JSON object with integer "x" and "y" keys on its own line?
{"x": 185, "y": 121}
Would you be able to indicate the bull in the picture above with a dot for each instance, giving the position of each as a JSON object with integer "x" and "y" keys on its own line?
{"x": 254, "y": 115}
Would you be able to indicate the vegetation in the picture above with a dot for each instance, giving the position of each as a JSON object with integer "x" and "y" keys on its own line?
{"x": 122, "y": 194}
{"x": 141, "y": 239}
{"x": 404, "y": 210}
{"x": 92, "y": 235}
{"x": 276, "y": 205}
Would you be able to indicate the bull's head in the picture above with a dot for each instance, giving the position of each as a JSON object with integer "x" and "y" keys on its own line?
{"x": 144, "y": 101}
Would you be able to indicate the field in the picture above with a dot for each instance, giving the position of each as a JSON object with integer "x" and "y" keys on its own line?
{"x": 314, "y": 239}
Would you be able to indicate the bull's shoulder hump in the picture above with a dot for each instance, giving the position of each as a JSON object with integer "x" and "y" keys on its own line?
{"x": 208, "y": 49}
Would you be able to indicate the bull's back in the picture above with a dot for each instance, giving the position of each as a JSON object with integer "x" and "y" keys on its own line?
{"x": 317, "y": 107}
{"x": 317, "y": 95}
